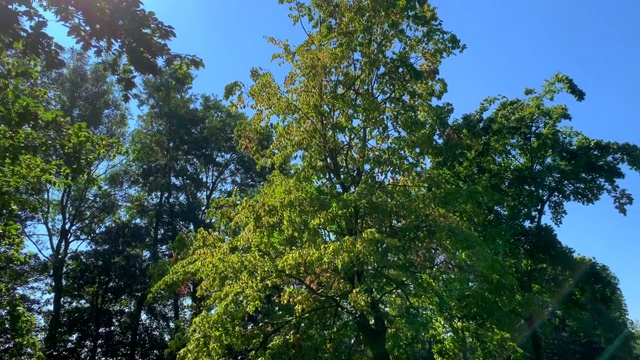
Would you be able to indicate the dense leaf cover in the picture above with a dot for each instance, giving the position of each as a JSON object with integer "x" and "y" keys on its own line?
{"x": 348, "y": 216}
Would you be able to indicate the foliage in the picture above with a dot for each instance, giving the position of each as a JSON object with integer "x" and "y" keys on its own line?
{"x": 76, "y": 201}
{"x": 348, "y": 217}
{"x": 532, "y": 165}
{"x": 24, "y": 124}
{"x": 359, "y": 249}
{"x": 102, "y": 284}
{"x": 32, "y": 133}
{"x": 183, "y": 159}
{"x": 593, "y": 321}
{"x": 122, "y": 31}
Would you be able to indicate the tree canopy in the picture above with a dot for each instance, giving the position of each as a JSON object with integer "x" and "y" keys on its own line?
{"x": 342, "y": 213}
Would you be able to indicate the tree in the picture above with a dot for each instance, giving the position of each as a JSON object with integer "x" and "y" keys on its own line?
{"x": 637, "y": 342}
{"x": 532, "y": 166}
{"x": 184, "y": 159}
{"x": 30, "y": 131}
{"x": 76, "y": 202}
{"x": 593, "y": 322}
{"x": 22, "y": 172}
{"x": 100, "y": 283}
{"x": 132, "y": 38}
{"x": 357, "y": 250}
{"x": 350, "y": 217}
{"x": 84, "y": 92}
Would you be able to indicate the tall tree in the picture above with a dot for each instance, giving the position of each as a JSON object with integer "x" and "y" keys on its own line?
{"x": 102, "y": 283}
{"x": 347, "y": 254}
{"x": 84, "y": 92}
{"x": 184, "y": 159}
{"x": 30, "y": 131}
{"x": 25, "y": 134}
{"x": 76, "y": 204}
{"x": 532, "y": 165}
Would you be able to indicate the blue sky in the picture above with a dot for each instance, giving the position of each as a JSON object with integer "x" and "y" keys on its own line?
{"x": 511, "y": 45}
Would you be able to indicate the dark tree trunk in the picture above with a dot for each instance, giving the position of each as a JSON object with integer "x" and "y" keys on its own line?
{"x": 465, "y": 347}
{"x": 176, "y": 308}
{"x": 135, "y": 326}
{"x": 195, "y": 300}
{"x": 52, "y": 339}
{"x": 95, "y": 338}
{"x": 374, "y": 336}
{"x": 536, "y": 339}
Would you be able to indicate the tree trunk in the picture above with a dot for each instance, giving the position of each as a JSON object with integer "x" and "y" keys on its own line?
{"x": 536, "y": 339}
{"x": 465, "y": 347}
{"x": 95, "y": 338}
{"x": 195, "y": 300}
{"x": 51, "y": 340}
{"x": 375, "y": 337}
{"x": 135, "y": 326}
{"x": 176, "y": 308}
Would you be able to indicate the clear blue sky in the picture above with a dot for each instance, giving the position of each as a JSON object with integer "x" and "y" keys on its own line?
{"x": 511, "y": 45}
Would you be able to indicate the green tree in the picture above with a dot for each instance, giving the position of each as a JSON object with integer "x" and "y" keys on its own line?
{"x": 593, "y": 322}
{"x": 76, "y": 203}
{"x": 102, "y": 285}
{"x": 84, "y": 92}
{"x": 133, "y": 39}
{"x": 532, "y": 165}
{"x": 357, "y": 250}
{"x": 637, "y": 342}
{"x": 24, "y": 135}
{"x": 30, "y": 131}
{"x": 184, "y": 158}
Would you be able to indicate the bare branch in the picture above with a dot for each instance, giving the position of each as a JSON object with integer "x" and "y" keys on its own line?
{"x": 36, "y": 245}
